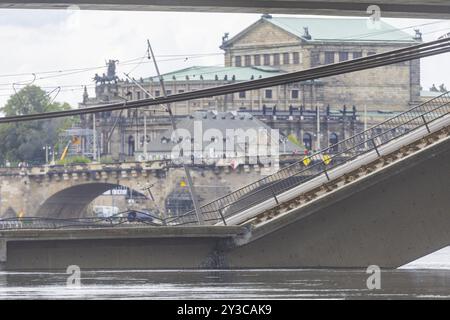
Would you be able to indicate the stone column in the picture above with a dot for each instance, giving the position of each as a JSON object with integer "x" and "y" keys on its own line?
{"x": 3, "y": 252}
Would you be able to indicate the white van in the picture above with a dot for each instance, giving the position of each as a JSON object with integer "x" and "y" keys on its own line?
{"x": 105, "y": 211}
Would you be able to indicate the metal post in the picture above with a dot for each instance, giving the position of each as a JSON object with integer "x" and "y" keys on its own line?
{"x": 223, "y": 218}
{"x": 274, "y": 195}
{"x": 365, "y": 127}
{"x": 318, "y": 128}
{"x": 94, "y": 150}
{"x": 426, "y": 124}
{"x": 46, "y": 154}
{"x": 174, "y": 128}
{"x": 145, "y": 136}
{"x": 375, "y": 147}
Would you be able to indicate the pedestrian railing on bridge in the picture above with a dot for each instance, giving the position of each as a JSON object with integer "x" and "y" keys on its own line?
{"x": 314, "y": 165}
{"x": 132, "y": 218}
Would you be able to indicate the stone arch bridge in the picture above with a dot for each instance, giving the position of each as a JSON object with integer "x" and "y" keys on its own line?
{"x": 66, "y": 191}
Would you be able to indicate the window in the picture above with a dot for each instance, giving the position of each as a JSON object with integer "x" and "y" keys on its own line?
{"x": 131, "y": 146}
{"x": 138, "y": 95}
{"x": 169, "y": 92}
{"x": 268, "y": 94}
{"x": 242, "y": 95}
{"x": 286, "y": 58}
{"x": 329, "y": 57}
{"x": 157, "y": 93}
{"x": 334, "y": 139}
{"x": 357, "y": 55}
{"x": 371, "y": 53}
{"x": 238, "y": 61}
{"x": 343, "y": 56}
{"x": 307, "y": 141}
{"x": 294, "y": 94}
{"x": 180, "y": 91}
{"x": 248, "y": 61}
{"x": 257, "y": 58}
{"x": 276, "y": 59}
{"x": 296, "y": 58}
{"x": 267, "y": 59}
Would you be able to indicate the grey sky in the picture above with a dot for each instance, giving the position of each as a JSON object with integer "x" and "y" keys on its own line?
{"x": 34, "y": 41}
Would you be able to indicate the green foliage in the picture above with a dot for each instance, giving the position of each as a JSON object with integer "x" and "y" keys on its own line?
{"x": 293, "y": 138}
{"x": 24, "y": 141}
{"x": 107, "y": 160}
{"x": 74, "y": 160}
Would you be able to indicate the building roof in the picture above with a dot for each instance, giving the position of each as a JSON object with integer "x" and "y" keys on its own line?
{"x": 209, "y": 73}
{"x": 430, "y": 94}
{"x": 335, "y": 30}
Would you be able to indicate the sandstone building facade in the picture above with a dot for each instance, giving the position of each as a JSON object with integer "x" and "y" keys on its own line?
{"x": 273, "y": 46}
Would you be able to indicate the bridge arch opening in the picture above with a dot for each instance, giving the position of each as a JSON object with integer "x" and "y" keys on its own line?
{"x": 78, "y": 201}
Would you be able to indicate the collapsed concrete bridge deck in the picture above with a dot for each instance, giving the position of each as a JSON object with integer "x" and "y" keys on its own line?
{"x": 396, "y": 214}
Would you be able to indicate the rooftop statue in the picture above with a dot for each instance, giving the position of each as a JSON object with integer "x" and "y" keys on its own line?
{"x": 110, "y": 76}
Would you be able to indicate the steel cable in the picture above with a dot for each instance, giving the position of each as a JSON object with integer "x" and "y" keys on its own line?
{"x": 369, "y": 62}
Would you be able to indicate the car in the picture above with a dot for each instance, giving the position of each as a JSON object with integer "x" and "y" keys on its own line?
{"x": 141, "y": 216}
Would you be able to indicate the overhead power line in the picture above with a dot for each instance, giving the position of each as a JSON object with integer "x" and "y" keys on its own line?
{"x": 369, "y": 62}
{"x": 171, "y": 57}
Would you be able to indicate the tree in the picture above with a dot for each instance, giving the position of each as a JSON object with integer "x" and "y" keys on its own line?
{"x": 24, "y": 141}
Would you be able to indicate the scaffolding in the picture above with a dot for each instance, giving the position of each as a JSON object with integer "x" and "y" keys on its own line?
{"x": 80, "y": 141}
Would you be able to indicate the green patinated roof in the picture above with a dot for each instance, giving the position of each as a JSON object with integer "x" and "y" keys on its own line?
{"x": 341, "y": 29}
{"x": 210, "y": 73}
{"x": 428, "y": 93}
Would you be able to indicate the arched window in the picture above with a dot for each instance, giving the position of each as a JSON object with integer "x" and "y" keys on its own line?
{"x": 131, "y": 146}
{"x": 307, "y": 141}
{"x": 334, "y": 140}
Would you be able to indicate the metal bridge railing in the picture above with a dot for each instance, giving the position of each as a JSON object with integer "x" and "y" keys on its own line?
{"x": 298, "y": 173}
{"x": 123, "y": 219}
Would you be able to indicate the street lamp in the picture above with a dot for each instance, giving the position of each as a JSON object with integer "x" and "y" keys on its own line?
{"x": 284, "y": 140}
{"x": 46, "y": 149}
{"x": 53, "y": 153}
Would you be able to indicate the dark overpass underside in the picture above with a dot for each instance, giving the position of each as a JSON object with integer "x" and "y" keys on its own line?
{"x": 395, "y": 8}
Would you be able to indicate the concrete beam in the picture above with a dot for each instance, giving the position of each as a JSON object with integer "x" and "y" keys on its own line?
{"x": 117, "y": 248}
{"x": 122, "y": 233}
{"x": 401, "y": 8}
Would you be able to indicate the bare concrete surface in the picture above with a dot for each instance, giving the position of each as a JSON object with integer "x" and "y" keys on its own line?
{"x": 399, "y": 8}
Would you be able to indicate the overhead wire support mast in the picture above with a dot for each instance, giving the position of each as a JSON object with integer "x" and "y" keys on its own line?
{"x": 174, "y": 128}
{"x": 383, "y": 59}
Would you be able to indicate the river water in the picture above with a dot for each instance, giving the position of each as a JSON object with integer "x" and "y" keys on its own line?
{"x": 426, "y": 278}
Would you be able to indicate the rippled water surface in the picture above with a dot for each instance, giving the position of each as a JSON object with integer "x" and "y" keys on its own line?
{"x": 426, "y": 278}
